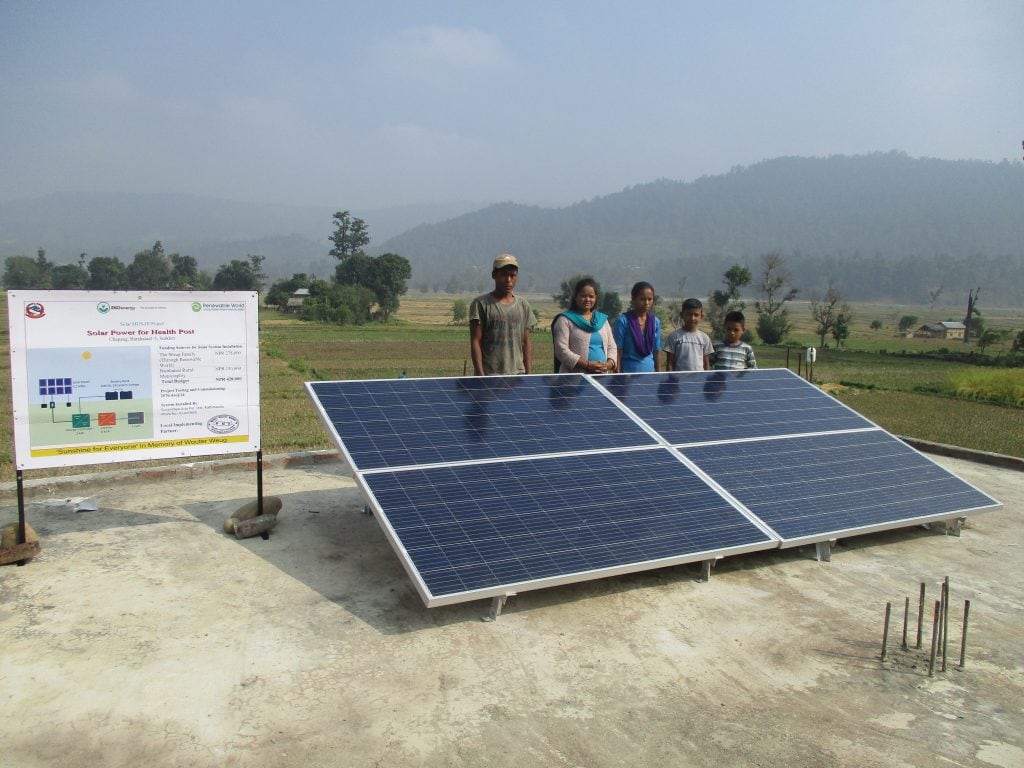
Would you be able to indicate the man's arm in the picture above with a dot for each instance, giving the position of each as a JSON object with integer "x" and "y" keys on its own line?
{"x": 476, "y": 352}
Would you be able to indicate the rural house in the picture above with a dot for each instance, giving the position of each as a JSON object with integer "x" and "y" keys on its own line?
{"x": 294, "y": 303}
{"x": 947, "y": 329}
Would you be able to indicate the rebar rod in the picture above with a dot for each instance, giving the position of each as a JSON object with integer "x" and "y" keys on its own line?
{"x": 885, "y": 628}
{"x": 935, "y": 636}
{"x": 920, "y": 614}
{"x": 963, "y": 635}
{"x": 906, "y": 615}
{"x": 945, "y": 621}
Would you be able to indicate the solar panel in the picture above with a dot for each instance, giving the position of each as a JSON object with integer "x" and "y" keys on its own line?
{"x": 821, "y": 487}
{"x": 412, "y": 422}
{"x": 484, "y": 529}
{"x": 835, "y": 473}
{"x": 702, "y": 406}
{"x": 487, "y": 486}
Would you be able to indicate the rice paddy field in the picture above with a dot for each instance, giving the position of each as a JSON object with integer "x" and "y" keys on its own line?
{"x": 980, "y": 407}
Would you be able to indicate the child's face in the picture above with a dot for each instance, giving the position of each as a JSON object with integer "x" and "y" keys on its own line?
{"x": 643, "y": 301}
{"x": 733, "y": 332}
{"x": 691, "y": 317}
{"x": 586, "y": 299}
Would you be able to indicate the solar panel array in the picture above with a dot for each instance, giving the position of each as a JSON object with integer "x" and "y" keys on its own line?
{"x": 487, "y": 486}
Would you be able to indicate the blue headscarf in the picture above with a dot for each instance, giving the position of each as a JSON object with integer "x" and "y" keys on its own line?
{"x": 593, "y": 325}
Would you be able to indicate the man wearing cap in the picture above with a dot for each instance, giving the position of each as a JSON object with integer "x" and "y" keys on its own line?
{"x": 499, "y": 325}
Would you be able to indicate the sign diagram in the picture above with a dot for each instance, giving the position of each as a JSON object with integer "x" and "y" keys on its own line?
{"x": 78, "y": 400}
{"x": 119, "y": 376}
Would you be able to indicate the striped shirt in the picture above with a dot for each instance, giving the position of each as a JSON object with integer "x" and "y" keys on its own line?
{"x": 734, "y": 358}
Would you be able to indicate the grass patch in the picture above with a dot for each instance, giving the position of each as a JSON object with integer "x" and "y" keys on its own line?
{"x": 1002, "y": 386}
{"x": 981, "y": 426}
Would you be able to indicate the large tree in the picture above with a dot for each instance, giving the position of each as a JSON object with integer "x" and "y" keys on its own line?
{"x": 185, "y": 274}
{"x": 107, "y": 273}
{"x": 240, "y": 275}
{"x": 24, "y": 272}
{"x": 357, "y": 269}
{"x": 391, "y": 274}
{"x": 829, "y": 313}
{"x": 973, "y": 325}
{"x": 773, "y": 318}
{"x": 150, "y": 270}
{"x": 349, "y": 237}
{"x": 907, "y": 322}
{"x": 69, "y": 277}
{"x": 386, "y": 276}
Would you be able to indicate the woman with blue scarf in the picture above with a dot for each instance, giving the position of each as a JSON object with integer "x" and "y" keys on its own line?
{"x": 582, "y": 335}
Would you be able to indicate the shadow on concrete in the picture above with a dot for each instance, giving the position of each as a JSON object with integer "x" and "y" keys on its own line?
{"x": 325, "y": 540}
{"x": 54, "y": 518}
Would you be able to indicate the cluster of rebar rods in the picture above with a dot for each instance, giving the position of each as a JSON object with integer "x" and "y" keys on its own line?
{"x": 940, "y": 627}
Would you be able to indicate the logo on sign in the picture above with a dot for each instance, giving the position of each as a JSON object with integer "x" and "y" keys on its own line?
{"x": 103, "y": 307}
{"x": 35, "y": 310}
{"x": 222, "y": 424}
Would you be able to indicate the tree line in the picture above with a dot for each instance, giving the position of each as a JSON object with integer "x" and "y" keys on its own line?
{"x": 363, "y": 287}
{"x": 150, "y": 270}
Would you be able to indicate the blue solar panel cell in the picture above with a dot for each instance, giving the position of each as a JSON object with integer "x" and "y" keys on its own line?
{"x": 699, "y": 407}
{"x": 821, "y": 486}
{"x": 411, "y": 422}
{"x": 470, "y": 528}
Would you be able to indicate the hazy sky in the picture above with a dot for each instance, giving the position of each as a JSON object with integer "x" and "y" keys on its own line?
{"x": 371, "y": 104}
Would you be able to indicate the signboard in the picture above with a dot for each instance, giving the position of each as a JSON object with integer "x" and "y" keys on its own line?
{"x": 107, "y": 376}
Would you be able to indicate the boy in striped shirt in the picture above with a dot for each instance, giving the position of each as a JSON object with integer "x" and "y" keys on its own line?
{"x": 732, "y": 354}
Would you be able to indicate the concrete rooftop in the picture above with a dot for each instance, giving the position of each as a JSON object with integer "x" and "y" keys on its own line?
{"x": 142, "y": 635}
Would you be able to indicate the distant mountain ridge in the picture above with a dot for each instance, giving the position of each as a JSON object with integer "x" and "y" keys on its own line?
{"x": 882, "y": 226}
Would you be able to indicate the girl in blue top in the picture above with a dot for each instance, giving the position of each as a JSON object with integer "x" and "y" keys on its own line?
{"x": 638, "y": 333}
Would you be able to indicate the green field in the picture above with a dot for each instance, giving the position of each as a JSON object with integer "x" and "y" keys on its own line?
{"x": 907, "y": 394}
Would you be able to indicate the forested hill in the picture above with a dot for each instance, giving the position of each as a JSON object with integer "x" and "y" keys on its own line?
{"x": 883, "y": 226}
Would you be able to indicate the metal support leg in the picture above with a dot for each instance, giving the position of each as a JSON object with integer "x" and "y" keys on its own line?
{"x": 823, "y": 551}
{"x": 705, "y": 569}
{"x": 953, "y": 526}
{"x": 497, "y": 603}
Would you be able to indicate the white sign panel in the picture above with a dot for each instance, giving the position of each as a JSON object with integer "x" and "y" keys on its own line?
{"x": 99, "y": 377}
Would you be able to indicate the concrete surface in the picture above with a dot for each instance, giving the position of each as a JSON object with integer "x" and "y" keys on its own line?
{"x": 145, "y": 636}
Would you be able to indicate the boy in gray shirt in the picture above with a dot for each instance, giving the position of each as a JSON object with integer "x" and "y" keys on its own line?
{"x": 688, "y": 349}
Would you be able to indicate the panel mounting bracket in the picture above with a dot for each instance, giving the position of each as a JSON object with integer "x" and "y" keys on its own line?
{"x": 954, "y": 525}
{"x": 823, "y": 550}
{"x": 497, "y": 603}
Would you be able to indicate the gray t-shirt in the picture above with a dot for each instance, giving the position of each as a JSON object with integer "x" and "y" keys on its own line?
{"x": 503, "y": 327}
{"x": 689, "y": 348}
